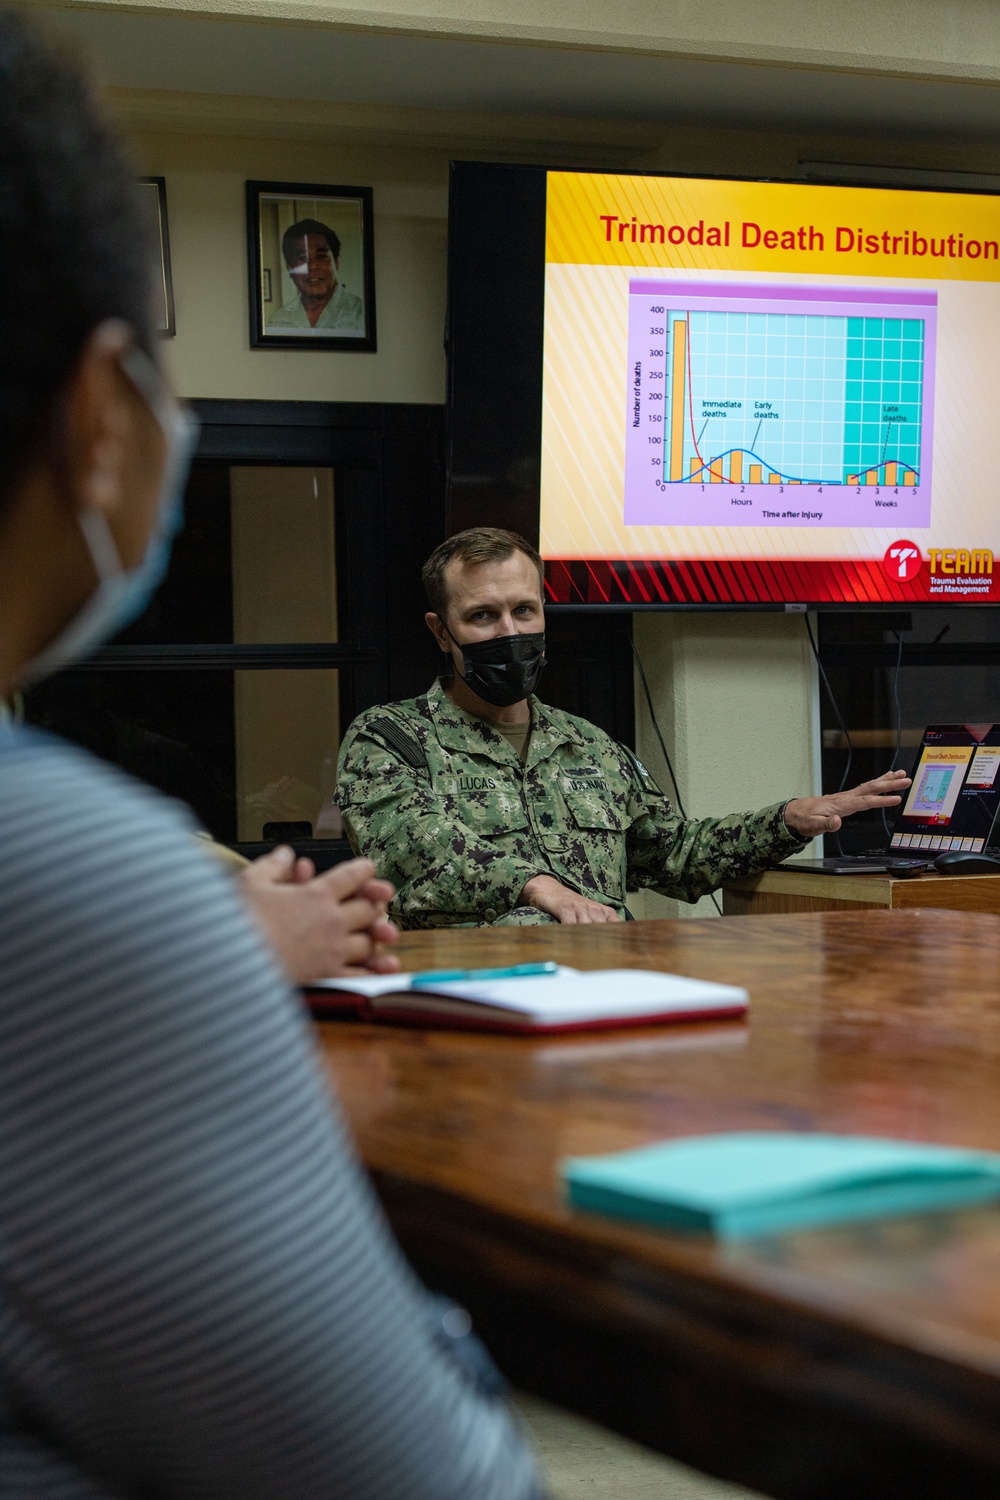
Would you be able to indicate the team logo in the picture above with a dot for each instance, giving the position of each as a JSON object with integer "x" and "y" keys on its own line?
{"x": 902, "y": 561}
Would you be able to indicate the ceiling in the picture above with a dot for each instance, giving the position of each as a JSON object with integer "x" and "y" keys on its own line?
{"x": 296, "y": 62}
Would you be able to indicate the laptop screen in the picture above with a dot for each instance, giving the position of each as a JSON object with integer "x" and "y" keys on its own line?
{"x": 955, "y": 794}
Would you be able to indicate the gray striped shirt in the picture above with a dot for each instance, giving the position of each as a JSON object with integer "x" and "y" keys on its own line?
{"x": 198, "y": 1293}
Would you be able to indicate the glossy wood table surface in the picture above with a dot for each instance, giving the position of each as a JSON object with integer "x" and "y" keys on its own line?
{"x": 853, "y": 1362}
{"x": 791, "y": 890}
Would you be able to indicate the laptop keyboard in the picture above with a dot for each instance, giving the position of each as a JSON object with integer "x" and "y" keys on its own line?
{"x": 882, "y": 854}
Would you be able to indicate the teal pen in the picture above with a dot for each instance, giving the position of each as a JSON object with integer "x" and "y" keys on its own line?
{"x": 447, "y": 976}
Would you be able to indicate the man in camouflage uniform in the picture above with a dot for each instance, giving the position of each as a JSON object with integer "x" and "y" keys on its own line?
{"x": 483, "y": 805}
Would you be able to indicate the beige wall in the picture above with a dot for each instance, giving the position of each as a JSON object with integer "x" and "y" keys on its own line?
{"x": 735, "y": 694}
{"x": 211, "y": 354}
{"x": 206, "y": 172}
{"x": 924, "y": 38}
{"x": 736, "y": 705}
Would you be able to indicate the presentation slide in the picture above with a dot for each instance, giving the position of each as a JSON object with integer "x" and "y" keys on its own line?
{"x": 937, "y": 783}
{"x": 985, "y": 764}
{"x": 767, "y": 392}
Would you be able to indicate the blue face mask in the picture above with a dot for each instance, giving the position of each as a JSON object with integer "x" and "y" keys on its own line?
{"x": 122, "y": 594}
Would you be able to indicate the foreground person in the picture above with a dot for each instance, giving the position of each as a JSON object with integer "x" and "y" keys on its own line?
{"x": 198, "y": 1293}
{"x": 482, "y": 804}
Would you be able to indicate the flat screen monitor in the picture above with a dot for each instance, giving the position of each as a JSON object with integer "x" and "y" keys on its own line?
{"x": 955, "y": 792}
{"x": 715, "y": 392}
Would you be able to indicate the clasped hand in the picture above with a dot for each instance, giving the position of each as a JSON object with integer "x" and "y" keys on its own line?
{"x": 809, "y": 816}
{"x": 321, "y": 925}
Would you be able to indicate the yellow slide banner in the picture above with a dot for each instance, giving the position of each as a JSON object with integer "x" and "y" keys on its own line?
{"x": 682, "y": 223}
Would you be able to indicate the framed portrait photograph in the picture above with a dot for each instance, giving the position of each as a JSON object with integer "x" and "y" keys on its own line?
{"x": 154, "y": 195}
{"x": 312, "y": 268}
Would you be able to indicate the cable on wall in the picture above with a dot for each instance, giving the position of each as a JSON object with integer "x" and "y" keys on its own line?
{"x": 843, "y": 727}
{"x": 839, "y": 718}
{"x": 833, "y": 704}
{"x": 656, "y": 728}
{"x": 666, "y": 754}
{"x": 899, "y": 720}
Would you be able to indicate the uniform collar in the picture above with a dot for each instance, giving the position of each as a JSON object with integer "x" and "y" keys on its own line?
{"x": 549, "y": 728}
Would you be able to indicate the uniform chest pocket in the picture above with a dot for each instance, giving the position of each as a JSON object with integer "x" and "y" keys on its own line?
{"x": 490, "y": 814}
{"x": 597, "y": 810}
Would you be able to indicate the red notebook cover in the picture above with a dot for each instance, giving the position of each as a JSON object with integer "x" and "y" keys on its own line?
{"x": 518, "y": 1027}
{"x": 600, "y": 1000}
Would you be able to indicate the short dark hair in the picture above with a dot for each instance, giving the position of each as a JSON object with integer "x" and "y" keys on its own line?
{"x": 479, "y": 544}
{"x": 309, "y": 226}
{"x": 75, "y": 242}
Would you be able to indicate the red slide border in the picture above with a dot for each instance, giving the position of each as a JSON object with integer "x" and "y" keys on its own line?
{"x": 775, "y": 581}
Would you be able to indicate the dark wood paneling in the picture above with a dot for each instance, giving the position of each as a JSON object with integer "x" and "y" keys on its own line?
{"x": 390, "y": 497}
{"x": 590, "y": 670}
{"x": 496, "y": 295}
{"x": 413, "y": 480}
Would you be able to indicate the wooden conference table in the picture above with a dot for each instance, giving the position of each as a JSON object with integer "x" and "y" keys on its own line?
{"x": 854, "y": 1362}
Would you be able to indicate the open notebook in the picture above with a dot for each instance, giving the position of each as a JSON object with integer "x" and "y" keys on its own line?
{"x": 569, "y": 1000}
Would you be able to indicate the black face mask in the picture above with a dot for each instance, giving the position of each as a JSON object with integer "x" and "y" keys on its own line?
{"x": 505, "y": 669}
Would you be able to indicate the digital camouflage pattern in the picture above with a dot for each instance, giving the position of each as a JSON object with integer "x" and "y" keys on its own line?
{"x": 451, "y": 815}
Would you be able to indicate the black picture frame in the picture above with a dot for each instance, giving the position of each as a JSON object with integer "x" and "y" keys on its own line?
{"x": 273, "y": 208}
{"x": 155, "y": 194}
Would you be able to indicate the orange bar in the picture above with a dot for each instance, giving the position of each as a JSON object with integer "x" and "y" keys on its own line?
{"x": 795, "y": 481}
{"x": 871, "y": 477}
{"x": 852, "y": 479}
{"x": 715, "y": 474}
{"x": 697, "y": 472}
{"x": 736, "y": 467}
{"x": 774, "y": 479}
{"x": 890, "y": 472}
{"x": 909, "y": 477}
{"x": 756, "y": 471}
{"x": 678, "y": 386}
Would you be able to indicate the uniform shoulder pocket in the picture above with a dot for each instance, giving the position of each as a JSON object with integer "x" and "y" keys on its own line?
{"x": 640, "y": 775}
{"x": 406, "y": 746}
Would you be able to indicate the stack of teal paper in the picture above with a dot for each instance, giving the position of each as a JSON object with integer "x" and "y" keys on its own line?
{"x": 735, "y": 1186}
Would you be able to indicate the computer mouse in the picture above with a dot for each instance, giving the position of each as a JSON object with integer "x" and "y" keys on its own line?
{"x": 957, "y": 862}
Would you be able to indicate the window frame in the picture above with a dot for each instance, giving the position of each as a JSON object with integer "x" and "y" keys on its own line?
{"x": 388, "y": 481}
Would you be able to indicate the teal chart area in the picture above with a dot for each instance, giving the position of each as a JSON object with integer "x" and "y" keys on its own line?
{"x": 773, "y": 405}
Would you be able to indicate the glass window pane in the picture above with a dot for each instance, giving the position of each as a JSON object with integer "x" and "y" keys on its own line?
{"x": 241, "y": 748}
{"x": 194, "y": 605}
{"x": 287, "y": 741}
{"x": 173, "y": 730}
{"x": 283, "y": 555}
{"x": 255, "y": 563}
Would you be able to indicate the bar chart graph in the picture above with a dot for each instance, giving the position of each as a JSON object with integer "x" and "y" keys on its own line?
{"x": 739, "y": 395}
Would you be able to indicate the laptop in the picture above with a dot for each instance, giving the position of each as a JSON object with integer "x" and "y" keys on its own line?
{"x": 952, "y": 803}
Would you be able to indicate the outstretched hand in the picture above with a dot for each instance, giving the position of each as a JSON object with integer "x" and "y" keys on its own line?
{"x": 809, "y": 816}
{"x": 321, "y": 926}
